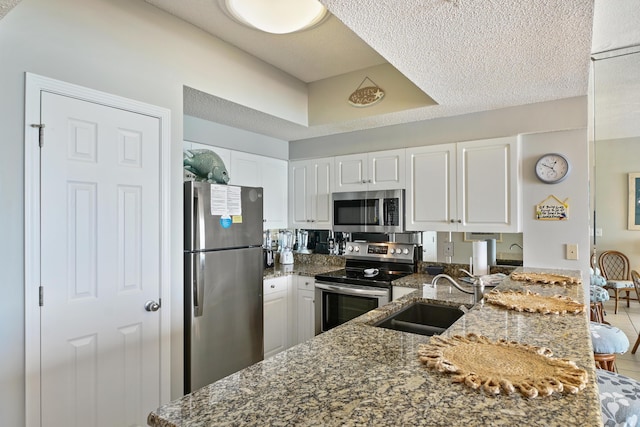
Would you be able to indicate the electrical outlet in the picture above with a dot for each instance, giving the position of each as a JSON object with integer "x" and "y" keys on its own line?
{"x": 448, "y": 248}
{"x": 572, "y": 251}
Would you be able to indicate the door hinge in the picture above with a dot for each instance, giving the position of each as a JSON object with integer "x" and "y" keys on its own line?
{"x": 40, "y": 296}
{"x": 40, "y": 133}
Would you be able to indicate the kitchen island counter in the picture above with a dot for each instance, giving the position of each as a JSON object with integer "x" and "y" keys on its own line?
{"x": 358, "y": 374}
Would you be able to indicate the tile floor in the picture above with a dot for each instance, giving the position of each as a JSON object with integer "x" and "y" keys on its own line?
{"x": 628, "y": 320}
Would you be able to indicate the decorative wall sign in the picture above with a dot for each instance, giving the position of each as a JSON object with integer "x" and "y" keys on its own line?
{"x": 366, "y": 96}
{"x": 552, "y": 209}
{"x": 634, "y": 201}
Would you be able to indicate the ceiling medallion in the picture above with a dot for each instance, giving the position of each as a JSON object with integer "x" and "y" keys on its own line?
{"x": 366, "y": 96}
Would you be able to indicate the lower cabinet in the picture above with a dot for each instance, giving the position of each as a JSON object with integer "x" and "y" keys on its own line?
{"x": 305, "y": 308}
{"x": 277, "y": 316}
{"x": 289, "y": 312}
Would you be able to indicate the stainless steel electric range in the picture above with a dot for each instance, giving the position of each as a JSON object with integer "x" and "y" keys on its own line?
{"x": 364, "y": 283}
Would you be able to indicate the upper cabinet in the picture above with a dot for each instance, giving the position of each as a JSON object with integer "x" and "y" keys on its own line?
{"x": 310, "y": 188}
{"x": 381, "y": 170}
{"x": 469, "y": 186}
{"x": 270, "y": 174}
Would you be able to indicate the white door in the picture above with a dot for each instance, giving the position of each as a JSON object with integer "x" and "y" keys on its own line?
{"x": 100, "y": 262}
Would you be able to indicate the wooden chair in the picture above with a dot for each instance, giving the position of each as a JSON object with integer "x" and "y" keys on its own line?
{"x": 635, "y": 276}
{"x": 614, "y": 266}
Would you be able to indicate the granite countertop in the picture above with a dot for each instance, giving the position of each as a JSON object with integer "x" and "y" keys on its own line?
{"x": 358, "y": 374}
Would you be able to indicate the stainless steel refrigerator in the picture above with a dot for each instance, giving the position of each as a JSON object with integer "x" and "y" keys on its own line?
{"x": 223, "y": 324}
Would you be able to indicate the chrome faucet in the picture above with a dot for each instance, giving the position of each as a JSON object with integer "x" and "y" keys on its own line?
{"x": 478, "y": 285}
{"x": 514, "y": 244}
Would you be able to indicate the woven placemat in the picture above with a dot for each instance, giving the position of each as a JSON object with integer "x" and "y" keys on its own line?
{"x": 533, "y": 302}
{"x": 502, "y": 366}
{"x": 545, "y": 278}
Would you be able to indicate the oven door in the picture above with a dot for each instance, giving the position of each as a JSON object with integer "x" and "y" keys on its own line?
{"x": 337, "y": 303}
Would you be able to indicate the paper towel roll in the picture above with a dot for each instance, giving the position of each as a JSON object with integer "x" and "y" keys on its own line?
{"x": 480, "y": 258}
{"x": 491, "y": 251}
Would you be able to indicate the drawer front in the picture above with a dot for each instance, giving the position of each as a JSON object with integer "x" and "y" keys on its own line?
{"x": 277, "y": 284}
{"x": 306, "y": 282}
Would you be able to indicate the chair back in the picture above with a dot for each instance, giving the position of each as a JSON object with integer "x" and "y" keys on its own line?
{"x": 635, "y": 276}
{"x": 614, "y": 265}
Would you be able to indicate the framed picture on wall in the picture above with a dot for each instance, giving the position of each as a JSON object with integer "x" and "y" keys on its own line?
{"x": 634, "y": 201}
{"x": 471, "y": 236}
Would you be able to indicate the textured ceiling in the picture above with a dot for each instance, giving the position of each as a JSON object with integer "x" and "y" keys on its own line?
{"x": 6, "y": 6}
{"x": 468, "y": 55}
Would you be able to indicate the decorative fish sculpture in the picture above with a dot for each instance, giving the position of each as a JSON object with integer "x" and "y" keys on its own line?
{"x": 206, "y": 166}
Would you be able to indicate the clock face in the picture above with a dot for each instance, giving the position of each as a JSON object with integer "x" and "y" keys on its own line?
{"x": 552, "y": 168}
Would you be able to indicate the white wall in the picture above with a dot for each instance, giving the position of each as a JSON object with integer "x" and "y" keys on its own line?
{"x": 127, "y": 48}
{"x": 219, "y": 135}
{"x": 544, "y": 241}
{"x": 615, "y": 159}
{"x": 568, "y": 113}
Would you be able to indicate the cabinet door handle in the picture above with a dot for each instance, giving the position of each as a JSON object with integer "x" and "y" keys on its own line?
{"x": 369, "y": 181}
{"x": 364, "y": 181}
{"x": 273, "y": 286}
{"x": 452, "y": 221}
{"x": 459, "y": 221}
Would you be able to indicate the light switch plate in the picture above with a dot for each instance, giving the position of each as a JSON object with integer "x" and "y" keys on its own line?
{"x": 572, "y": 251}
{"x": 448, "y": 249}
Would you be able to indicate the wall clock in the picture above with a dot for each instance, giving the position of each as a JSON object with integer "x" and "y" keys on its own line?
{"x": 552, "y": 168}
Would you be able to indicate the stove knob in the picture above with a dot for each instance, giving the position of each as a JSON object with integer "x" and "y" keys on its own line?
{"x": 405, "y": 251}
{"x": 350, "y": 248}
{"x": 392, "y": 251}
{"x": 357, "y": 249}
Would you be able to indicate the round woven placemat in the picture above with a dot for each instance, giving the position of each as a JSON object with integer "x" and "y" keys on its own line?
{"x": 502, "y": 366}
{"x": 545, "y": 278}
{"x": 533, "y": 302}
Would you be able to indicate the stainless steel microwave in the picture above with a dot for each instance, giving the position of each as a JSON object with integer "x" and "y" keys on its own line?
{"x": 369, "y": 211}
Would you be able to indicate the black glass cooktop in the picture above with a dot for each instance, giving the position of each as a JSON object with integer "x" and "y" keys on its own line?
{"x": 358, "y": 277}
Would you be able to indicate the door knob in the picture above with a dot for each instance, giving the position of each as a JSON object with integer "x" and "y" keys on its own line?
{"x": 151, "y": 306}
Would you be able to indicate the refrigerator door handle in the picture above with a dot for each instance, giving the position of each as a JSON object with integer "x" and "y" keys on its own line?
{"x": 198, "y": 285}
{"x": 199, "y": 208}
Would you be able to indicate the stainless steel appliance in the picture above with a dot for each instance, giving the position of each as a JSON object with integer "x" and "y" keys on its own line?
{"x": 364, "y": 283}
{"x": 223, "y": 264}
{"x": 369, "y": 211}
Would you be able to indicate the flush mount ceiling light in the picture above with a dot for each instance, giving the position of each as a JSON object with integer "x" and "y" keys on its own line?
{"x": 277, "y": 16}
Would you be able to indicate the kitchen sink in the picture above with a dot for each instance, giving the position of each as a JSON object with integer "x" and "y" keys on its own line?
{"x": 422, "y": 318}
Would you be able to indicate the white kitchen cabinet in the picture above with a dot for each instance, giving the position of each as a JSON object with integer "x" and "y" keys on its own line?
{"x": 305, "y": 309}
{"x": 380, "y": 170}
{"x": 310, "y": 188}
{"x": 277, "y": 315}
{"x": 270, "y": 174}
{"x": 468, "y": 186}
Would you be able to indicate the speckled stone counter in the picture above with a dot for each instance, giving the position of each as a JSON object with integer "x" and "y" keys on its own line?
{"x": 306, "y": 265}
{"x": 358, "y": 374}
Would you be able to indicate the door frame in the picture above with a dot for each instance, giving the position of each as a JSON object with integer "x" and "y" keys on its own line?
{"x": 34, "y": 85}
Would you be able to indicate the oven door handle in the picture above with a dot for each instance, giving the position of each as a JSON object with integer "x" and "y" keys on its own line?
{"x": 351, "y": 291}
